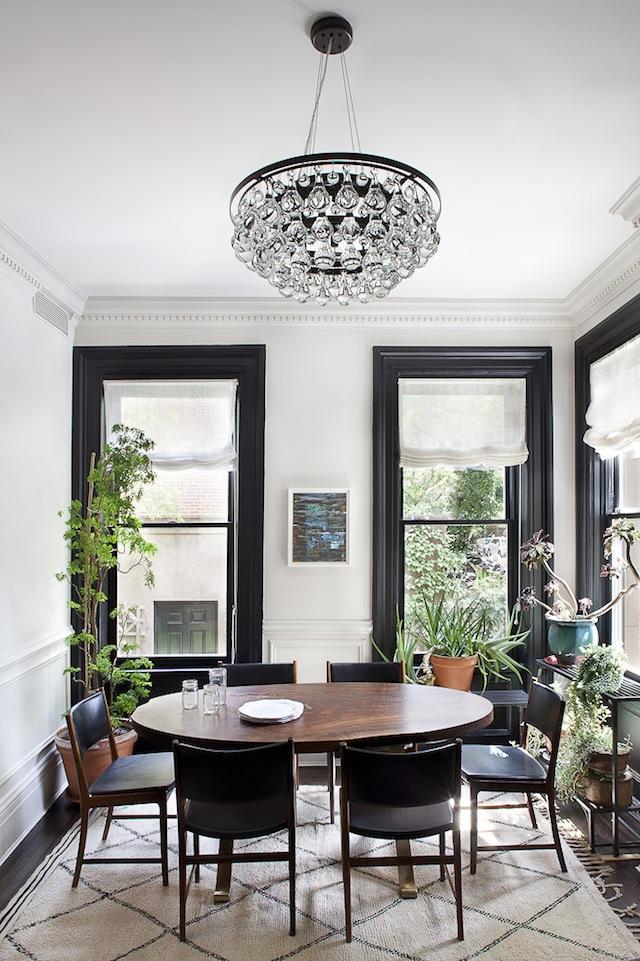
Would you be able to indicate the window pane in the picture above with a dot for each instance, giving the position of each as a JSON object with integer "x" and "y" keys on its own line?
{"x": 462, "y": 564}
{"x": 186, "y": 611}
{"x": 628, "y": 483}
{"x": 625, "y": 616}
{"x": 443, "y": 492}
{"x": 195, "y": 494}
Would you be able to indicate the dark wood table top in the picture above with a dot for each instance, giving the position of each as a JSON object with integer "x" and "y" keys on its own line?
{"x": 333, "y": 713}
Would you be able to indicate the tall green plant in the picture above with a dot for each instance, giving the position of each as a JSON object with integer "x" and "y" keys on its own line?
{"x": 99, "y": 534}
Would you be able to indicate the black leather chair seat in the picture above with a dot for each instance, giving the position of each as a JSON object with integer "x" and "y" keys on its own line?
{"x": 382, "y": 821}
{"x": 240, "y": 819}
{"x": 483, "y": 762}
{"x": 140, "y": 772}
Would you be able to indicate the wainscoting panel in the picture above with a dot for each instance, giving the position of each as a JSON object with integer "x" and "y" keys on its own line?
{"x": 314, "y": 642}
{"x": 32, "y": 702}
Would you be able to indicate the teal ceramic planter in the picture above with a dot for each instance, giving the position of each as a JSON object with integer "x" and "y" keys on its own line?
{"x": 569, "y": 639}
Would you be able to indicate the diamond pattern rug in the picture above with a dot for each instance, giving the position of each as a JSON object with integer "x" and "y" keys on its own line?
{"x": 518, "y": 907}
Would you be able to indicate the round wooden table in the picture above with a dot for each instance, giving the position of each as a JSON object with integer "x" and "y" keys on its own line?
{"x": 333, "y": 713}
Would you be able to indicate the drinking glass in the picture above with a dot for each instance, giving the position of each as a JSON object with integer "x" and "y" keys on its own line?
{"x": 189, "y": 694}
{"x": 218, "y": 676}
{"x": 211, "y": 698}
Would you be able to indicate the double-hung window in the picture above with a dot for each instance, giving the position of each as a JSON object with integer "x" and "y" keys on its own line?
{"x": 462, "y": 471}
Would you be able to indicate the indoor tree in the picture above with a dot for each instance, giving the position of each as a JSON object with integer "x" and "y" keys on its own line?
{"x": 99, "y": 534}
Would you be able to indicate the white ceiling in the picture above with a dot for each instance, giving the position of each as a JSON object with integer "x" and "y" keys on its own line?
{"x": 125, "y": 125}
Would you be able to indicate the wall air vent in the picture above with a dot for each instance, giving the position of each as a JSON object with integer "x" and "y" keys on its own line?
{"x": 46, "y": 306}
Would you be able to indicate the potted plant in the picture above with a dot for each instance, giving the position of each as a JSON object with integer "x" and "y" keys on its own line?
{"x": 408, "y": 652}
{"x": 99, "y": 534}
{"x": 572, "y": 622}
{"x": 585, "y": 758}
{"x": 457, "y": 638}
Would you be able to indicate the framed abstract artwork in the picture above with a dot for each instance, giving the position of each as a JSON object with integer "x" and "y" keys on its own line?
{"x": 318, "y": 527}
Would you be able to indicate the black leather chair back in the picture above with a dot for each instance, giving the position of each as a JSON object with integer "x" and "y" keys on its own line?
{"x": 412, "y": 779}
{"x": 381, "y": 672}
{"x": 90, "y": 720}
{"x": 261, "y": 774}
{"x": 545, "y": 711}
{"x": 245, "y": 675}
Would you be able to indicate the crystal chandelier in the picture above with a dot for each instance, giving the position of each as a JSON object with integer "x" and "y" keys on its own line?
{"x": 339, "y": 227}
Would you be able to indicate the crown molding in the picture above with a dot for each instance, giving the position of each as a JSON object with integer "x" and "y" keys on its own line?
{"x": 609, "y": 286}
{"x": 199, "y": 313}
{"x": 25, "y": 265}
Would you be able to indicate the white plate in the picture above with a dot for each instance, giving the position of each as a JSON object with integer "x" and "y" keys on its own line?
{"x": 271, "y": 711}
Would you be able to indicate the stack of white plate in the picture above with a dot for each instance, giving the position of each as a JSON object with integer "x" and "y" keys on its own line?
{"x": 271, "y": 711}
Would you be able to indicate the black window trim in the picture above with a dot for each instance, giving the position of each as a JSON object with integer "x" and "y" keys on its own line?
{"x": 246, "y": 363}
{"x": 536, "y": 476}
{"x": 595, "y": 478}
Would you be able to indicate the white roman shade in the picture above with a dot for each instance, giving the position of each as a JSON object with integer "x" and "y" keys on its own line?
{"x": 613, "y": 417}
{"x": 462, "y": 422}
{"x": 191, "y": 422}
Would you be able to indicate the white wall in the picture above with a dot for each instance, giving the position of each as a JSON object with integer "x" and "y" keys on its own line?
{"x": 35, "y": 401}
{"x": 318, "y": 432}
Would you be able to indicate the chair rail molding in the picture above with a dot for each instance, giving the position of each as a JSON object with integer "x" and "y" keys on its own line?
{"x": 313, "y": 642}
{"x": 31, "y": 658}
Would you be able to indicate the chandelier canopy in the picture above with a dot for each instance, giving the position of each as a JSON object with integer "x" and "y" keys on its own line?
{"x": 335, "y": 226}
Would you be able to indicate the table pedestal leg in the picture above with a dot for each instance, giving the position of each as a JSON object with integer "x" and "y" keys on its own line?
{"x": 406, "y": 881}
{"x": 223, "y": 878}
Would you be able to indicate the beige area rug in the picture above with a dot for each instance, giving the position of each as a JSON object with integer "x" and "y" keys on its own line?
{"x": 518, "y": 907}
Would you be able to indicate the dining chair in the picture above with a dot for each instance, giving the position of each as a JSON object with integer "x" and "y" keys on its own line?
{"x": 380, "y": 672}
{"x": 247, "y": 675}
{"x": 231, "y": 795}
{"x": 402, "y": 797}
{"x": 512, "y": 769}
{"x": 138, "y": 779}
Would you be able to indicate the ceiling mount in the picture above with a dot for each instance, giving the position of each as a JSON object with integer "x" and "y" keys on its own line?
{"x": 331, "y": 34}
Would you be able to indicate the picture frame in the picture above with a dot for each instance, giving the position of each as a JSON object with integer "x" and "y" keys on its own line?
{"x": 318, "y": 520}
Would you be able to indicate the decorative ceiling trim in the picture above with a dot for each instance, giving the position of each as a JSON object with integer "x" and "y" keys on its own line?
{"x": 608, "y": 287}
{"x": 24, "y": 264}
{"x": 123, "y": 319}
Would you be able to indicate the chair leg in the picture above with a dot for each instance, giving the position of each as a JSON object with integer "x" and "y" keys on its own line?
{"x": 84, "y": 824}
{"x": 331, "y": 783}
{"x": 182, "y": 875}
{"x": 107, "y": 823}
{"x": 164, "y": 841}
{"x": 346, "y": 875}
{"x": 443, "y": 851}
{"x": 474, "y": 830}
{"x": 196, "y": 851}
{"x": 457, "y": 882}
{"x": 551, "y": 801}
{"x": 532, "y": 813}
{"x": 292, "y": 882}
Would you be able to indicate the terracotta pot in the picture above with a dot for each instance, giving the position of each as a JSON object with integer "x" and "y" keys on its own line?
{"x": 454, "y": 672}
{"x": 597, "y": 789}
{"x": 96, "y": 760}
{"x": 600, "y": 762}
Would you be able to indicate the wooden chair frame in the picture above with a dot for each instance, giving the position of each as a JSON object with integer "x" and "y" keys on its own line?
{"x": 545, "y": 787}
{"x": 226, "y": 857}
{"x": 443, "y": 859}
{"x": 90, "y": 801}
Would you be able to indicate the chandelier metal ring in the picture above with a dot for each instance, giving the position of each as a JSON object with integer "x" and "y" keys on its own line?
{"x": 337, "y": 226}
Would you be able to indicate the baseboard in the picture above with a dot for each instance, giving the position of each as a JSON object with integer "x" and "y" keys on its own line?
{"x": 27, "y": 792}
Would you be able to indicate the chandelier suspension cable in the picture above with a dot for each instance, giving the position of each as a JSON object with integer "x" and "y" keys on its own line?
{"x": 351, "y": 110}
{"x": 311, "y": 136}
